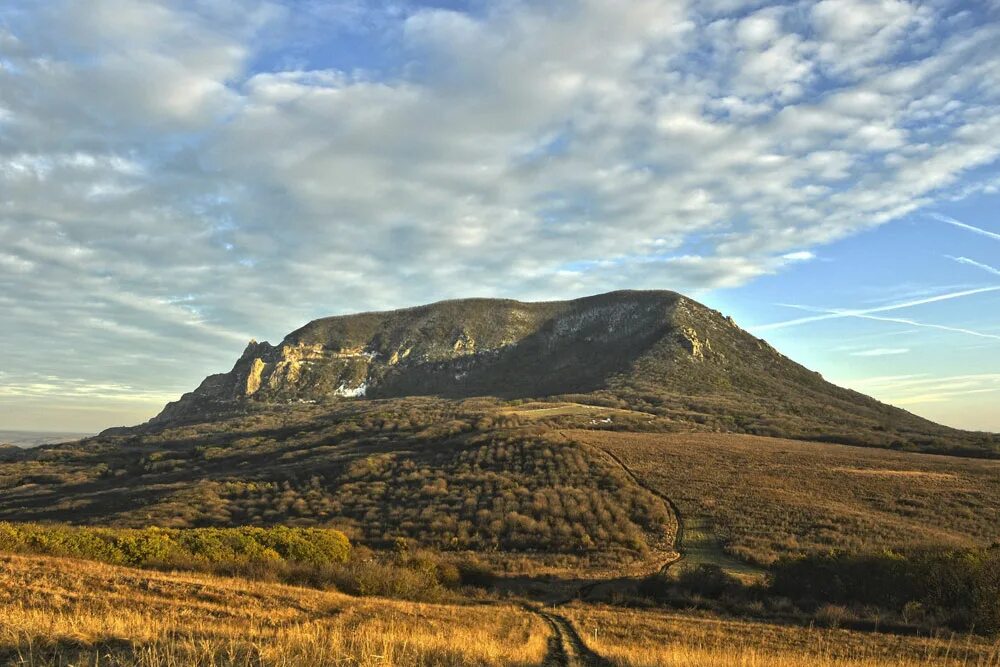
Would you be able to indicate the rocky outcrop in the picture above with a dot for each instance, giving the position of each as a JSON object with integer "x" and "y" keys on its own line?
{"x": 453, "y": 348}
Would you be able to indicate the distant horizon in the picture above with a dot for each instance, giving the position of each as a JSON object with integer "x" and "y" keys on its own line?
{"x": 27, "y": 439}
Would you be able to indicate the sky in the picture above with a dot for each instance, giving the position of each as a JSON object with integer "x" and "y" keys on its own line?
{"x": 179, "y": 177}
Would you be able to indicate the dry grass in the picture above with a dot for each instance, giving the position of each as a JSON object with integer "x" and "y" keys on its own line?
{"x": 64, "y": 612}
{"x": 59, "y": 612}
{"x": 647, "y": 638}
{"x": 765, "y": 497}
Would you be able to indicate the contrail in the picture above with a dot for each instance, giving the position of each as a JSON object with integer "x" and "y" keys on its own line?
{"x": 978, "y": 265}
{"x": 837, "y": 314}
{"x": 926, "y": 325}
{"x": 952, "y": 221}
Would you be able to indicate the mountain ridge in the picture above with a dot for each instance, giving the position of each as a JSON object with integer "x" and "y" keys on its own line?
{"x": 653, "y": 350}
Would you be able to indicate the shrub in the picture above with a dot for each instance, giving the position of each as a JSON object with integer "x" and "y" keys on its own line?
{"x": 959, "y": 586}
{"x": 708, "y": 580}
{"x": 220, "y": 549}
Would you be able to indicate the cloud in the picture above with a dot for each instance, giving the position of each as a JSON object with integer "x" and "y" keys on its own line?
{"x": 927, "y": 325}
{"x": 922, "y": 389}
{"x": 979, "y": 265}
{"x": 179, "y": 176}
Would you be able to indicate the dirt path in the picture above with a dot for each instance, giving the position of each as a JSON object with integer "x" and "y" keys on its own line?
{"x": 679, "y": 533}
{"x": 566, "y": 649}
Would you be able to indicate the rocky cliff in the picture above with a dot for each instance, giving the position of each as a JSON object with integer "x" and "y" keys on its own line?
{"x": 458, "y": 348}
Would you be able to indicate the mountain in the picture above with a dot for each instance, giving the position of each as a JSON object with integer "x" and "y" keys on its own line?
{"x": 654, "y": 351}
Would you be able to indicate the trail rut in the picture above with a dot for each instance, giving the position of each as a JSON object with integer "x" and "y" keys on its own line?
{"x": 566, "y": 648}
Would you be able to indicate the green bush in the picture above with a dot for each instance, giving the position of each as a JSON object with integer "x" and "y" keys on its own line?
{"x": 228, "y": 549}
{"x": 317, "y": 557}
{"x": 705, "y": 581}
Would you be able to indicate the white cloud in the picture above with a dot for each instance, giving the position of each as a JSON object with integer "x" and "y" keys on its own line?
{"x": 979, "y": 265}
{"x": 921, "y": 389}
{"x": 760, "y": 28}
{"x": 962, "y": 225}
{"x": 187, "y": 174}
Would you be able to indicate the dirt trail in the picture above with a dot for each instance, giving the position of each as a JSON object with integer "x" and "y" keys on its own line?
{"x": 566, "y": 648}
{"x": 679, "y": 534}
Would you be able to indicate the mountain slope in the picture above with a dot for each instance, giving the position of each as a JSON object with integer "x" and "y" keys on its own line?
{"x": 656, "y": 351}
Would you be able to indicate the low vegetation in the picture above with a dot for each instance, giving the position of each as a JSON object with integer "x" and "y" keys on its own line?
{"x": 959, "y": 588}
{"x": 57, "y": 611}
{"x": 315, "y": 557}
{"x": 453, "y": 476}
{"x": 196, "y": 548}
{"x": 760, "y": 499}
{"x": 426, "y": 500}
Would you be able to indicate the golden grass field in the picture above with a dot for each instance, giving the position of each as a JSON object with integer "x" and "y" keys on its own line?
{"x": 767, "y": 497}
{"x": 66, "y": 612}
{"x": 653, "y": 638}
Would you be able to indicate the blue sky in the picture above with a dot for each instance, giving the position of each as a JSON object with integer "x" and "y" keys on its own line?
{"x": 178, "y": 177}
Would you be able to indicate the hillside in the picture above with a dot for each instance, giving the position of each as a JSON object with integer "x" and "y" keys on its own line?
{"x": 756, "y": 499}
{"x": 653, "y": 351}
{"x": 454, "y": 475}
{"x": 529, "y": 485}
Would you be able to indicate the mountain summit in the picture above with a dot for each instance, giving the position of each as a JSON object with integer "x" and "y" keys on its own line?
{"x": 656, "y": 351}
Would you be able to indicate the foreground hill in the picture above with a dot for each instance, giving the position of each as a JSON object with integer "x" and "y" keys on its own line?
{"x": 653, "y": 351}
{"x": 529, "y": 485}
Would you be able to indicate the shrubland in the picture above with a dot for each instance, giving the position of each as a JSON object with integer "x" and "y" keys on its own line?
{"x": 448, "y": 475}
{"x": 760, "y": 499}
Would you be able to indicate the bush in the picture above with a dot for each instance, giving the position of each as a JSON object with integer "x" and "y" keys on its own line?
{"x": 708, "y": 580}
{"x": 959, "y": 586}
{"x": 218, "y": 549}
{"x": 695, "y": 585}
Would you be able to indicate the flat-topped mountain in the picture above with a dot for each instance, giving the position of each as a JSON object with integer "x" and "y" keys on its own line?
{"x": 469, "y": 347}
{"x": 656, "y": 351}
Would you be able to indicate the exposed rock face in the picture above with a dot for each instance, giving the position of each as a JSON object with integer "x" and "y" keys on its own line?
{"x": 453, "y": 348}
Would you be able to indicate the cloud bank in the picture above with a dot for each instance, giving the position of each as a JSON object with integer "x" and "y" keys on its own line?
{"x": 180, "y": 176}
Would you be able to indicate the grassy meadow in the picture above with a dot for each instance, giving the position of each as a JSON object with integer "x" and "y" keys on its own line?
{"x": 60, "y": 612}
{"x": 56, "y": 611}
{"x": 415, "y": 532}
{"x": 756, "y": 499}
{"x": 653, "y": 638}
